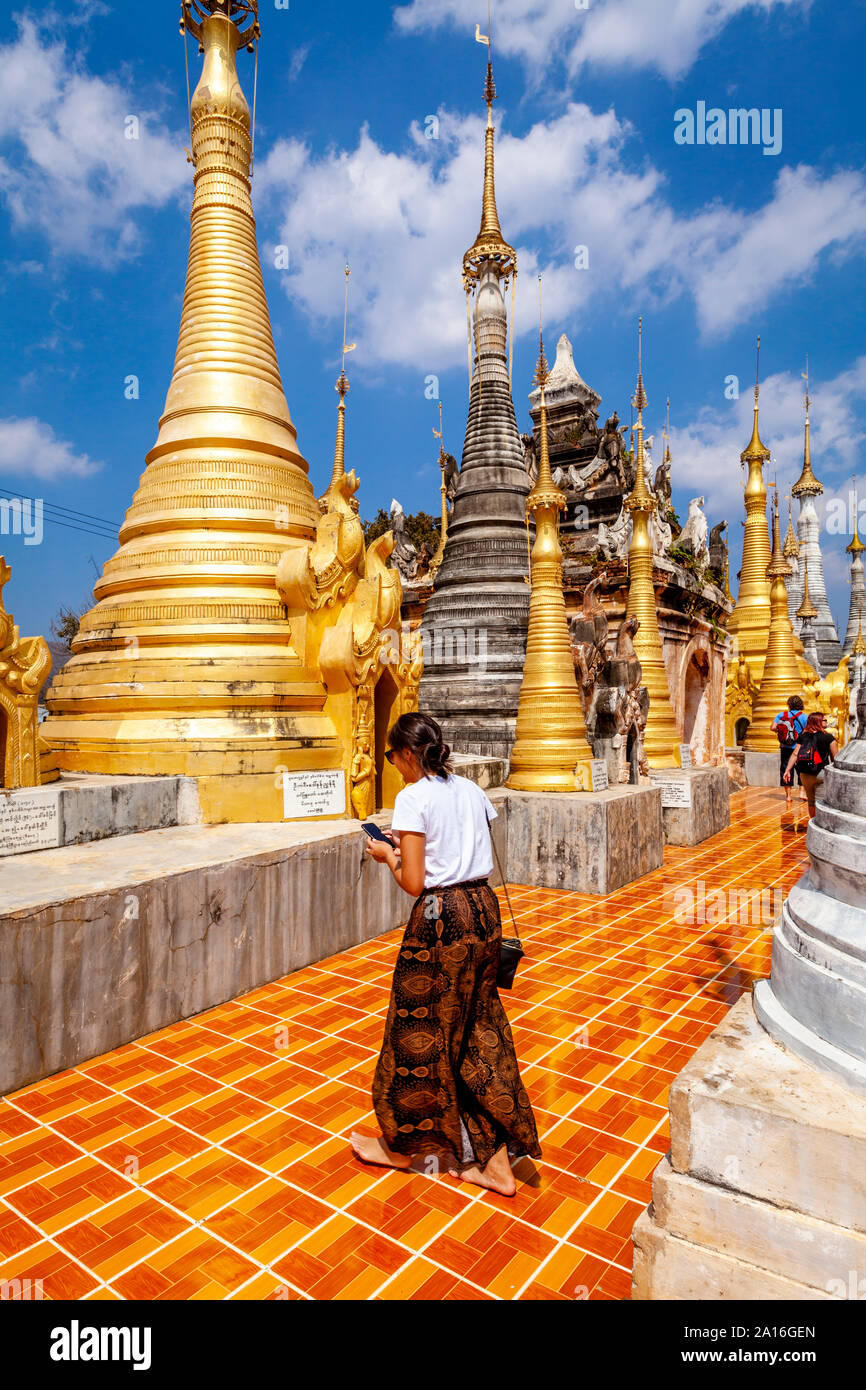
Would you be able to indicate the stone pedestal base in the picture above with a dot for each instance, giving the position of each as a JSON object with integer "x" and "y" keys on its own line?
{"x": 763, "y": 1195}
{"x": 79, "y": 808}
{"x": 709, "y": 809}
{"x": 762, "y": 769}
{"x": 487, "y": 772}
{"x": 101, "y": 943}
{"x": 587, "y": 842}
{"x": 736, "y": 762}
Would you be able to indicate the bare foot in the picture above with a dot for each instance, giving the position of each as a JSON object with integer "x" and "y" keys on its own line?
{"x": 496, "y": 1175}
{"x": 373, "y": 1149}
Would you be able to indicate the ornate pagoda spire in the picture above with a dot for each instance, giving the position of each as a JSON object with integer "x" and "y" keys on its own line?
{"x": 806, "y": 488}
{"x": 342, "y": 388}
{"x": 749, "y": 624}
{"x": 480, "y": 594}
{"x": 490, "y": 244}
{"x": 807, "y": 484}
{"x": 781, "y": 676}
{"x": 857, "y": 605}
{"x": 186, "y": 665}
{"x": 807, "y": 608}
{"x": 791, "y": 546}
{"x": 661, "y": 740}
{"x": 791, "y": 552}
{"x": 551, "y": 752}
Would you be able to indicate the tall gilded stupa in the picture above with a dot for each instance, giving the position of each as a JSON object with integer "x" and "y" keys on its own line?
{"x": 186, "y": 664}
{"x": 551, "y": 752}
{"x": 661, "y": 741}
{"x": 749, "y": 624}
{"x": 474, "y": 624}
{"x": 781, "y": 674}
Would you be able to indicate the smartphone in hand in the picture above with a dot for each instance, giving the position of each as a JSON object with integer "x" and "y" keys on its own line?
{"x": 375, "y": 833}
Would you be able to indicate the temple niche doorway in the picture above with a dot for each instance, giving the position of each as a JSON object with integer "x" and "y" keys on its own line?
{"x": 741, "y": 728}
{"x": 386, "y": 699}
{"x": 696, "y": 700}
{"x": 631, "y": 758}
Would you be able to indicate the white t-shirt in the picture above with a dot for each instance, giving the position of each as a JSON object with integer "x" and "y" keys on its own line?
{"x": 452, "y": 814}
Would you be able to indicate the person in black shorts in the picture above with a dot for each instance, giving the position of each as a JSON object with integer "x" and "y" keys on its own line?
{"x": 814, "y": 749}
{"x": 788, "y": 725}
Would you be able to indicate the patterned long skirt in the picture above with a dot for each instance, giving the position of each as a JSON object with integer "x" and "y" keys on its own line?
{"x": 448, "y": 1069}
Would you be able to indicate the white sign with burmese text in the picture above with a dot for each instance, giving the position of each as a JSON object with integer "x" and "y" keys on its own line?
{"x": 313, "y": 794}
{"x": 676, "y": 791}
{"x": 28, "y": 821}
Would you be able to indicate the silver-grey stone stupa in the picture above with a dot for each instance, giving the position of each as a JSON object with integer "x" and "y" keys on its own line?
{"x": 815, "y": 999}
{"x": 806, "y": 488}
{"x": 475, "y": 623}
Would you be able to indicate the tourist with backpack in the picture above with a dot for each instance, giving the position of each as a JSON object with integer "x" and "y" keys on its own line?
{"x": 814, "y": 749}
{"x": 789, "y": 724}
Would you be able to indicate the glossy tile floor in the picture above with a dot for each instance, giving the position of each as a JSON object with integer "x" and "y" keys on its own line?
{"x": 209, "y": 1160}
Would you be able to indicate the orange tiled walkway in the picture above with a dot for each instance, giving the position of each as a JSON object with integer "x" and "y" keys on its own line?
{"x": 209, "y": 1160}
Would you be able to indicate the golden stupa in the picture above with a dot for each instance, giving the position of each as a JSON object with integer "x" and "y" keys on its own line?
{"x": 781, "y": 674}
{"x": 661, "y": 740}
{"x": 551, "y": 752}
{"x": 186, "y": 663}
{"x": 749, "y": 624}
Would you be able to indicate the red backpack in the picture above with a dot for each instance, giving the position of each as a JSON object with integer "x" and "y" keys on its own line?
{"x": 786, "y": 729}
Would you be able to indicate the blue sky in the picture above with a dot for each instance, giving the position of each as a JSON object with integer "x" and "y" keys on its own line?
{"x": 712, "y": 244}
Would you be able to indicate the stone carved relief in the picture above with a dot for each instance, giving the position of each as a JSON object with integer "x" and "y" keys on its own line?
{"x": 693, "y": 536}
{"x": 616, "y": 704}
{"x": 718, "y": 548}
{"x": 614, "y": 541}
{"x": 405, "y": 555}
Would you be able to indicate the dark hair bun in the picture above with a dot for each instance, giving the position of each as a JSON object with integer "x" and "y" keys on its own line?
{"x": 421, "y": 735}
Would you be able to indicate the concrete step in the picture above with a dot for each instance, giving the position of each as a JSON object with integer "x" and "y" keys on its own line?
{"x": 750, "y": 1115}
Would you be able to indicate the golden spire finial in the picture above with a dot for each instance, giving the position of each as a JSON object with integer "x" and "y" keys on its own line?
{"x": 859, "y": 648}
{"x": 807, "y": 608}
{"x": 490, "y": 244}
{"x": 807, "y": 484}
{"x": 791, "y": 545}
{"x": 778, "y": 564}
{"x": 640, "y": 498}
{"x": 342, "y": 388}
{"x": 856, "y": 545}
{"x": 755, "y": 449}
{"x": 545, "y": 492}
{"x": 666, "y": 457}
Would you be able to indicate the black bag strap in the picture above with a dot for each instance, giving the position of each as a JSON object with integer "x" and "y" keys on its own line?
{"x": 502, "y": 876}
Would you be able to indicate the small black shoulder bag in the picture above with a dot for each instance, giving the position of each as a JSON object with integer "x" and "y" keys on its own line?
{"x": 511, "y": 951}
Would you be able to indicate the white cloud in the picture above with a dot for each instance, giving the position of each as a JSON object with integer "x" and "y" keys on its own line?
{"x": 666, "y": 35}
{"x": 299, "y": 57}
{"x": 66, "y": 166}
{"x": 706, "y": 451}
{"x": 780, "y": 244}
{"x": 30, "y": 448}
{"x": 706, "y": 460}
{"x": 405, "y": 218}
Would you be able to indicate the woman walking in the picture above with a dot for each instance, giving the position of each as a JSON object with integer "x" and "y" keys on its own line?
{"x": 447, "y": 1082}
{"x": 812, "y": 752}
